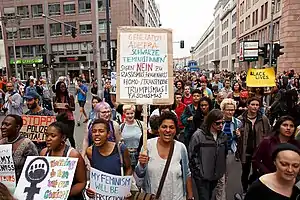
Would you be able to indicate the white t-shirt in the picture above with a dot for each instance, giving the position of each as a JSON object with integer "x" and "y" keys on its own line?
{"x": 173, "y": 185}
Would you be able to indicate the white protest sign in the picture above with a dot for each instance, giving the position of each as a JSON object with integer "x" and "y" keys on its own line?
{"x": 108, "y": 186}
{"x": 145, "y": 66}
{"x": 7, "y": 167}
{"x": 113, "y": 76}
{"x": 46, "y": 178}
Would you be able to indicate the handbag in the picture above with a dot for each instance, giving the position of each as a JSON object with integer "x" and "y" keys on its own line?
{"x": 147, "y": 196}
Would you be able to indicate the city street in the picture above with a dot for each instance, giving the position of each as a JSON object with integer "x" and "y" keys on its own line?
{"x": 234, "y": 170}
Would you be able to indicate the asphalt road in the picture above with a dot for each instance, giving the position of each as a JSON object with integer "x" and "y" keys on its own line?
{"x": 234, "y": 170}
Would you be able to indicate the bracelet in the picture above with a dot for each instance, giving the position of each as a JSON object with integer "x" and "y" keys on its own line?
{"x": 191, "y": 198}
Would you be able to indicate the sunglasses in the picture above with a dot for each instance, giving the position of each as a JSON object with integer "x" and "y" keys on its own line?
{"x": 218, "y": 123}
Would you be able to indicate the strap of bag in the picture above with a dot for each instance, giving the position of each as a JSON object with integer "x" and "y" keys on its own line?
{"x": 121, "y": 157}
{"x": 164, "y": 175}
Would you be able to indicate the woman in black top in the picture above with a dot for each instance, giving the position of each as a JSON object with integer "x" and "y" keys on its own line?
{"x": 279, "y": 185}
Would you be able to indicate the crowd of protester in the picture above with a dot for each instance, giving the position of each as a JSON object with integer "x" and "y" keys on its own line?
{"x": 215, "y": 120}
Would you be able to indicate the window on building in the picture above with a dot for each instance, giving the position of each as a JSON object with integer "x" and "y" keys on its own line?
{"x": 276, "y": 31}
{"x": 68, "y": 29}
{"x": 27, "y": 51}
{"x": 242, "y": 26}
{"x": 85, "y": 28}
{"x": 266, "y": 10}
{"x": 233, "y": 48}
{"x": 262, "y": 9}
{"x": 54, "y": 9}
{"x": 72, "y": 48}
{"x": 102, "y": 26}
{"x": 55, "y": 29}
{"x": 101, "y": 5}
{"x": 233, "y": 18}
{"x": 11, "y": 52}
{"x": 37, "y": 10}
{"x": 10, "y": 35}
{"x": 38, "y": 31}
{"x": 25, "y": 33}
{"x": 277, "y": 5}
{"x": 1, "y": 33}
{"x": 23, "y": 11}
{"x": 84, "y": 6}
{"x": 39, "y": 50}
{"x": 58, "y": 49}
{"x": 233, "y": 33}
{"x": 69, "y": 8}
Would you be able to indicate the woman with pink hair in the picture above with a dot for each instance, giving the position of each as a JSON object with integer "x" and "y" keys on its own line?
{"x": 102, "y": 110}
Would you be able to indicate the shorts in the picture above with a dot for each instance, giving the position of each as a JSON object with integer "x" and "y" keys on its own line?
{"x": 81, "y": 103}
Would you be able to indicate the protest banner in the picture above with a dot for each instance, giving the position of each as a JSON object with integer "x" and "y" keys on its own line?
{"x": 113, "y": 78}
{"x": 145, "y": 68}
{"x": 261, "y": 77}
{"x": 45, "y": 177}
{"x": 34, "y": 126}
{"x": 108, "y": 186}
{"x": 7, "y": 167}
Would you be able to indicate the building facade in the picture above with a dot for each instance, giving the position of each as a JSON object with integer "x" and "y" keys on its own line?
{"x": 71, "y": 56}
{"x": 216, "y": 49}
{"x": 152, "y": 14}
{"x": 2, "y": 52}
{"x": 254, "y": 24}
{"x": 180, "y": 63}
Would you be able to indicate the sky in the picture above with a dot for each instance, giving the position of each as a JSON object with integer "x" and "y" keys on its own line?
{"x": 189, "y": 19}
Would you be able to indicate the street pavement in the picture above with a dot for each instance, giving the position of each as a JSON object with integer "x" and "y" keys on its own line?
{"x": 234, "y": 170}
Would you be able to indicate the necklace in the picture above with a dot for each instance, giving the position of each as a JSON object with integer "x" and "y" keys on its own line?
{"x": 14, "y": 140}
{"x": 251, "y": 117}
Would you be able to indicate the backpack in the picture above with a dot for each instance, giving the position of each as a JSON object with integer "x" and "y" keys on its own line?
{"x": 138, "y": 123}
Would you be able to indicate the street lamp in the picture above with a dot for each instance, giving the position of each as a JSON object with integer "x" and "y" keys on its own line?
{"x": 15, "y": 20}
{"x": 89, "y": 57}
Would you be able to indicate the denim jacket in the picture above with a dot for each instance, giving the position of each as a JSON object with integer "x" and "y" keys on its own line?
{"x": 142, "y": 177}
{"x": 235, "y": 124}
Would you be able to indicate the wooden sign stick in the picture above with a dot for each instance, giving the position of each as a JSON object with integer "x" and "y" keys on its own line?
{"x": 145, "y": 114}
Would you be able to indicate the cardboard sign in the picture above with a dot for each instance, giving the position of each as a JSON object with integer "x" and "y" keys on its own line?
{"x": 46, "y": 178}
{"x": 61, "y": 106}
{"x": 34, "y": 126}
{"x": 261, "y": 77}
{"x": 145, "y": 66}
{"x": 109, "y": 186}
{"x": 7, "y": 167}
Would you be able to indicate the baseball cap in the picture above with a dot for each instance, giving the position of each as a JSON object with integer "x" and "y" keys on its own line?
{"x": 31, "y": 95}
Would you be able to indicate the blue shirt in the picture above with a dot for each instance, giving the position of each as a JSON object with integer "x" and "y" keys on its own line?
{"x": 81, "y": 96}
{"x": 227, "y": 131}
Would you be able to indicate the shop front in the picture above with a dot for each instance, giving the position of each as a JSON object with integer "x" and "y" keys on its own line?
{"x": 28, "y": 67}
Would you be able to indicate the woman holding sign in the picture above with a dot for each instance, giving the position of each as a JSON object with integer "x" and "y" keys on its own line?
{"x": 149, "y": 171}
{"x": 21, "y": 146}
{"x": 105, "y": 155}
{"x": 56, "y": 137}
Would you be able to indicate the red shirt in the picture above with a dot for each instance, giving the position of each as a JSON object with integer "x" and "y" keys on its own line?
{"x": 179, "y": 110}
{"x": 188, "y": 100}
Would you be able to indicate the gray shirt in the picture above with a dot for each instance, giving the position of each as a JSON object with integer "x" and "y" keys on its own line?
{"x": 16, "y": 106}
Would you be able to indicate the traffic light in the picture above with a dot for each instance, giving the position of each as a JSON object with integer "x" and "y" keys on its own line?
{"x": 114, "y": 54}
{"x": 263, "y": 51}
{"x": 182, "y": 44}
{"x": 52, "y": 58}
{"x": 277, "y": 51}
{"x": 73, "y": 32}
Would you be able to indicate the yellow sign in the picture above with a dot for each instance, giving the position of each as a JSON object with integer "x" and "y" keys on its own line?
{"x": 261, "y": 77}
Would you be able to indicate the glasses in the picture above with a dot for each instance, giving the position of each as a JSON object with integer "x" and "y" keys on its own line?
{"x": 105, "y": 112}
{"x": 218, "y": 123}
